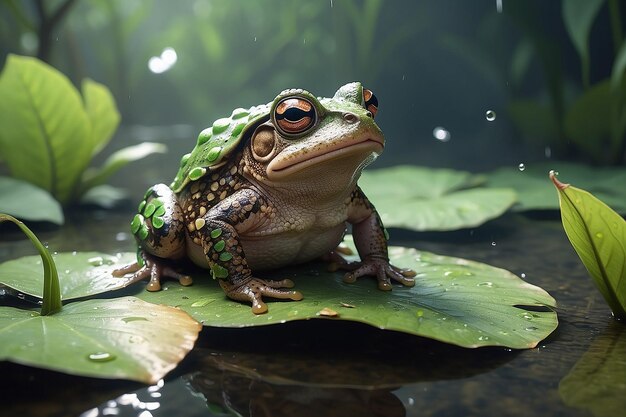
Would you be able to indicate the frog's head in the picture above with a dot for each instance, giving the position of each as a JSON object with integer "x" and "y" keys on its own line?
{"x": 308, "y": 138}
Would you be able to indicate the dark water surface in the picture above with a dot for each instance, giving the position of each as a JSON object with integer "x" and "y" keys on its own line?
{"x": 324, "y": 368}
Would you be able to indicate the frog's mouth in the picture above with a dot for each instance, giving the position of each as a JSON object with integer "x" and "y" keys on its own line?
{"x": 369, "y": 147}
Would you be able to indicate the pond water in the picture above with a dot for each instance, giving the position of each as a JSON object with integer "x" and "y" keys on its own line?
{"x": 328, "y": 368}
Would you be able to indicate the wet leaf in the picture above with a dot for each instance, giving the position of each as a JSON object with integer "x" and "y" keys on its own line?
{"x": 102, "y": 112}
{"x": 433, "y": 199}
{"x": 119, "y": 338}
{"x": 455, "y": 301}
{"x": 44, "y": 126}
{"x": 598, "y": 234}
{"x": 81, "y": 274}
{"x": 534, "y": 193}
{"x": 28, "y": 202}
{"x": 597, "y": 382}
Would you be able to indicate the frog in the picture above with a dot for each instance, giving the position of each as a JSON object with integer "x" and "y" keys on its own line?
{"x": 269, "y": 186}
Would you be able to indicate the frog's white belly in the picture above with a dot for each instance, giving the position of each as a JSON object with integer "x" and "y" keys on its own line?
{"x": 277, "y": 250}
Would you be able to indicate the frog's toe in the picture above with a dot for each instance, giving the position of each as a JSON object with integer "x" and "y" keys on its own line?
{"x": 153, "y": 269}
{"x": 253, "y": 291}
{"x": 384, "y": 273}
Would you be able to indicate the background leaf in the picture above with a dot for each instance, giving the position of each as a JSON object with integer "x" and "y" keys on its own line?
{"x": 598, "y": 234}
{"x": 433, "y": 199}
{"x": 81, "y": 274}
{"x": 119, "y": 338}
{"x": 455, "y": 301}
{"x": 25, "y": 201}
{"x": 535, "y": 193}
{"x": 102, "y": 112}
{"x": 578, "y": 16}
{"x": 45, "y": 131}
{"x": 117, "y": 160}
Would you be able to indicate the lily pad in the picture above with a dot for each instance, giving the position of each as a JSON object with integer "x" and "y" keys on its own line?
{"x": 455, "y": 301}
{"x": 120, "y": 338}
{"x": 535, "y": 193}
{"x": 425, "y": 199}
{"x": 81, "y": 274}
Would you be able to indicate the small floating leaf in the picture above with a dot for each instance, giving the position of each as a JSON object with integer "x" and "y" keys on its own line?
{"x": 598, "y": 234}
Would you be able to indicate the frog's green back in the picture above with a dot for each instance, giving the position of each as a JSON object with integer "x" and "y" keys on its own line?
{"x": 216, "y": 143}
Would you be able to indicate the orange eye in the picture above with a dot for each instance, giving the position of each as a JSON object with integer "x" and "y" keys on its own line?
{"x": 371, "y": 102}
{"x": 294, "y": 115}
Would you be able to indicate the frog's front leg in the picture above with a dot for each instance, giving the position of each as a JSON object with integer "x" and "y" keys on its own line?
{"x": 158, "y": 228}
{"x": 217, "y": 233}
{"x": 370, "y": 238}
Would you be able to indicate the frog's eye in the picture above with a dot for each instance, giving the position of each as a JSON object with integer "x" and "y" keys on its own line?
{"x": 371, "y": 102}
{"x": 294, "y": 115}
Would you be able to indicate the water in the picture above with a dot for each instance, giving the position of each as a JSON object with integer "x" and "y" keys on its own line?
{"x": 342, "y": 366}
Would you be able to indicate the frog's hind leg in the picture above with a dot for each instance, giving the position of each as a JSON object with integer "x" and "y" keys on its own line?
{"x": 158, "y": 228}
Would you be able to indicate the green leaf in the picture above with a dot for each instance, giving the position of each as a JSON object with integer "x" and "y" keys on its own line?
{"x": 578, "y": 16}
{"x": 433, "y": 199}
{"x": 596, "y": 383}
{"x": 51, "y": 293}
{"x": 45, "y": 131}
{"x": 102, "y": 113}
{"x": 105, "y": 196}
{"x": 455, "y": 301}
{"x": 598, "y": 234}
{"x": 119, "y": 338}
{"x": 118, "y": 160}
{"x": 534, "y": 193}
{"x": 27, "y": 202}
{"x": 81, "y": 274}
{"x": 588, "y": 122}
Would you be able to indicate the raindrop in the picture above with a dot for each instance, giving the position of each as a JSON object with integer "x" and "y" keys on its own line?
{"x": 482, "y": 338}
{"x": 526, "y": 316}
{"x": 599, "y": 235}
{"x": 499, "y": 6}
{"x": 490, "y": 115}
{"x": 101, "y": 357}
{"x": 553, "y": 172}
{"x": 96, "y": 261}
{"x": 121, "y": 236}
{"x": 531, "y": 328}
{"x": 411, "y": 401}
{"x": 485, "y": 284}
{"x": 441, "y": 134}
{"x": 547, "y": 152}
{"x": 521, "y": 167}
{"x": 523, "y": 275}
{"x": 493, "y": 243}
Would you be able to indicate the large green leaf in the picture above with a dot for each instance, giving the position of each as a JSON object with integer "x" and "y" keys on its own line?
{"x": 102, "y": 113}
{"x": 535, "y": 193}
{"x": 598, "y": 234}
{"x": 578, "y": 16}
{"x": 455, "y": 301}
{"x": 27, "y": 202}
{"x": 433, "y": 199}
{"x": 81, "y": 274}
{"x": 597, "y": 381}
{"x": 120, "y": 338}
{"x": 45, "y": 137}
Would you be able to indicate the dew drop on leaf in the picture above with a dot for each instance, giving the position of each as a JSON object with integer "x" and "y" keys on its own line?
{"x": 101, "y": 357}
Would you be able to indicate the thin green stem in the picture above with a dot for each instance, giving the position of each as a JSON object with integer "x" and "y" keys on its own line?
{"x": 51, "y": 288}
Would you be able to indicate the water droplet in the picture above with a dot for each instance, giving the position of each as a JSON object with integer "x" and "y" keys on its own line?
{"x": 493, "y": 243}
{"x": 485, "y": 284}
{"x": 523, "y": 275}
{"x": 122, "y": 236}
{"x": 441, "y": 134}
{"x": 599, "y": 235}
{"x": 101, "y": 357}
{"x": 553, "y": 172}
{"x": 96, "y": 261}
{"x": 547, "y": 152}
{"x": 521, "y": 167}
{"x": 482, "y": 338}
{"x": 531, "y": 328}
{"x": 526, "y": 316}
{"x": 490, "y": 115}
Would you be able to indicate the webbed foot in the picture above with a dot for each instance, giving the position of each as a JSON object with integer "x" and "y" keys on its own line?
{"x": 254, "y": 289}
{"x": 380, "y": 268}
{"x": 153, "y": 268}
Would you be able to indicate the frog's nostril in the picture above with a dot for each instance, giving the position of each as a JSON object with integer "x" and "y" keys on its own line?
{"x": 369, "y": 114}
{"x": 350, "y": 118}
